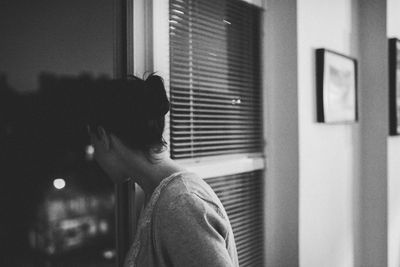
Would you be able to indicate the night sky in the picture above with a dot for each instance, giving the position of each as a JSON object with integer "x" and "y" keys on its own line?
{"x": 61, "y": 37}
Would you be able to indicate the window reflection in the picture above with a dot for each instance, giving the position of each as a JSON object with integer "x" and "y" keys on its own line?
{"x": 45, "y": 50}
{"x": 60, "y": 204}
{"x": 68, "y": 222}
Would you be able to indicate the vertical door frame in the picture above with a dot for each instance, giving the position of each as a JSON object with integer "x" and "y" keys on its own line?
{"x": 124, "y": 192}
{"x": 133, "y": 55}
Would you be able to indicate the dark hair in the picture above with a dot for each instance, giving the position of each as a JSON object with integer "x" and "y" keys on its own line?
{"x": 133, "y": 109}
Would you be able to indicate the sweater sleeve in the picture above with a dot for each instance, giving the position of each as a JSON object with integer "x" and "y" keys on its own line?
{"x": 192, "y": 232}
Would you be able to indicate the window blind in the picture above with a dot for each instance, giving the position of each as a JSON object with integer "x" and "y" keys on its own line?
{"x": 241, "y": 195}
{"x": 214, "y": 78}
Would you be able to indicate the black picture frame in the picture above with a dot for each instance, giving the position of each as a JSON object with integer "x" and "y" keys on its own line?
{"x": 394, "y": 86}
{"x": 336, "y": 87}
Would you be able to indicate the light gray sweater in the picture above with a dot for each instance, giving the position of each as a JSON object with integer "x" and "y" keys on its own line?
{"x": 184, "y": 224}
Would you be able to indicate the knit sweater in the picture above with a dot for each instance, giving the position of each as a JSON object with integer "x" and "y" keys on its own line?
{"x": 184, "y": 224}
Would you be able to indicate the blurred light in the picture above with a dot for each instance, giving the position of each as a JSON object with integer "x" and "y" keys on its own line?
{"x": 59, "y": 183}
{"x": 226, "y": 22}
{"x": 68, "y": 224}
{"x": 50, "y": 249}
{"x": 89, "y": 152}
{"x": 173, "y": 21}
{"x": 236, "y": 101}
{"x": 90, "y": 149}
{"x": 103, "y": 226}
{"x": 92, "y": 228}
{"x": 109, "y": 254}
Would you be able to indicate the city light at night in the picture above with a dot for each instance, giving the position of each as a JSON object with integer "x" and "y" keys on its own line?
{"x": 59, "y": 183}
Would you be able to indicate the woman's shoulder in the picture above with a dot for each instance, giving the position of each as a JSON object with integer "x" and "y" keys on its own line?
{"x": 185, "y": 189}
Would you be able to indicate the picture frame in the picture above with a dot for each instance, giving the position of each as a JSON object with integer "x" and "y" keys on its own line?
{"x": 394, "y": 86}
{"x": 336, "y": 87}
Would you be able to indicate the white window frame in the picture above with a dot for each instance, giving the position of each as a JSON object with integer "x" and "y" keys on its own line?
{"x": 149, "y": 47}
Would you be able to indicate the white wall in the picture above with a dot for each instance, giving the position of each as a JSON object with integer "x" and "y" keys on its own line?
{"x": 372, "y": 238}
{"x": 282, "y": 176}
{"x": 327, "y": 155}
{"x": 393, "y": 30}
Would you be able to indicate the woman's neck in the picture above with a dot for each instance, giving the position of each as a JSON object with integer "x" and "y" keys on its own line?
{"x": 149, "y": 173}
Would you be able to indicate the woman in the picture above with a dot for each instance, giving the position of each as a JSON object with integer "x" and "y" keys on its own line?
{"x": 183, "y": 223}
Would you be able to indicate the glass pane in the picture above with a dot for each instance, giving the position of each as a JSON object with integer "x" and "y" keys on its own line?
{"x": 241, "y": 195}
{"x": 215, "y": 78}
{"x": 57, "y": 205}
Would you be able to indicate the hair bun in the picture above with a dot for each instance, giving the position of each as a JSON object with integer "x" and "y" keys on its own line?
{"x": 156, "y": 97}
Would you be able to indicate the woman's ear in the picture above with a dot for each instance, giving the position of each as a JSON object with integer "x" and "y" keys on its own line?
{"x": 99, "y": 136}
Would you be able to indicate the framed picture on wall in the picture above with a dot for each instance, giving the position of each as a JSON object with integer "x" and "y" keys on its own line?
{"x": 394, "y": 86}
{"x": 336, "y": 86}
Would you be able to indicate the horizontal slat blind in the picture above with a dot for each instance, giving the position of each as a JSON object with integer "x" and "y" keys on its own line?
{"x": 241, "y": 195}
{"x": 214, "y": 78}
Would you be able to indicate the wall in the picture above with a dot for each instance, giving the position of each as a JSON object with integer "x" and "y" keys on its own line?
{"x": 282, "y": 135}
{"x": 327, "y": 152}
{"x": 373, "y": 48}
{"x": 393, "y": 30}
{"x": 63, "y": 37}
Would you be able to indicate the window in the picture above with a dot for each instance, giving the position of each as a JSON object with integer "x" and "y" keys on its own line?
{"x": 241, "y": 195}
{"x": 209, "y": 53}
{"x": 214, "y": 78}
{"x": 215, "y": 94}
